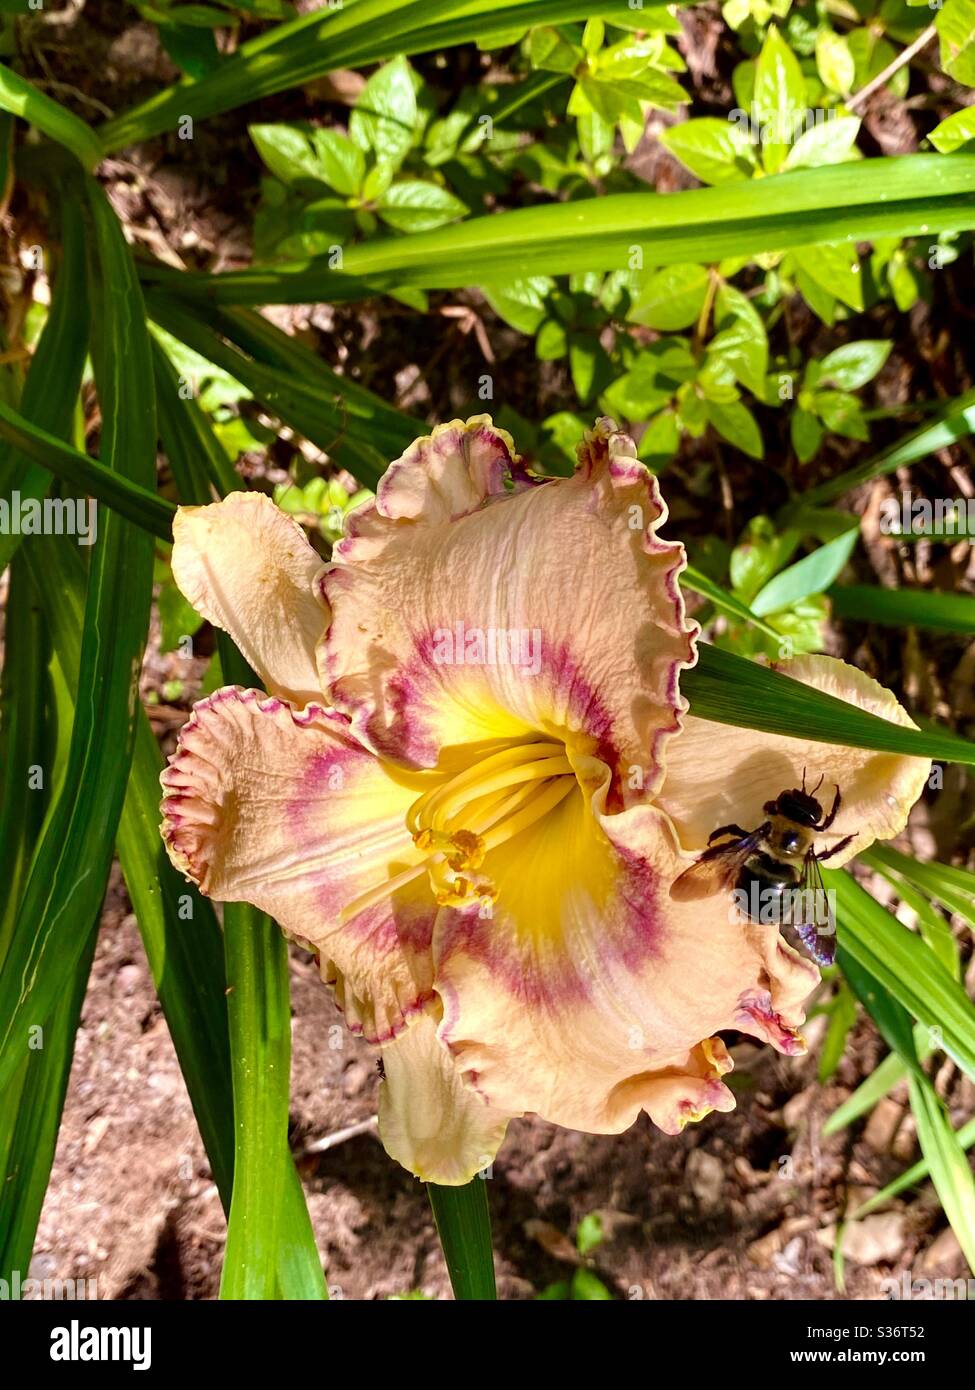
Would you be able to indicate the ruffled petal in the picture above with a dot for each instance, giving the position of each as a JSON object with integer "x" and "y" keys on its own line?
{"x": 471, "y": 607}
{"x": 589, "y": 993}
{"x": 248, "y": 569}
{"x": 284, "y": 810}
{"x": 718, "y": 774}
{"x": 430, "y": 1120}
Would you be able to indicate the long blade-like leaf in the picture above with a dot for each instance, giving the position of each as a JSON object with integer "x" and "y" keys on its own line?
{"x": 900, "y": 196}
{"x": 464, "y": 1226}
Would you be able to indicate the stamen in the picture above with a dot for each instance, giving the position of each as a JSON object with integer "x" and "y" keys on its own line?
{"x": 427, "y": 806}
{"x": 538, "y": 806}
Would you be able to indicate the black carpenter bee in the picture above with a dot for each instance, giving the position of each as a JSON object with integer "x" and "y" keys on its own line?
{"x": 773, "y": 870}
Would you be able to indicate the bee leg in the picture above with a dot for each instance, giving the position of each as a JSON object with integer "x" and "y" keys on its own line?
{"x": 735, "y": 830}
{"x": 832, "y": 812}
{"x": 828, "y": 853}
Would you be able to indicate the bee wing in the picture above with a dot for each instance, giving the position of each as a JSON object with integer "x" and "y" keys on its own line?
{"x": 812, "y": 917}
{"x": 716, "y": 870}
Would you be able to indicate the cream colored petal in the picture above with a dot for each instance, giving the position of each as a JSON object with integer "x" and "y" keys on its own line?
{"x": 248, "y": 569}
{"x": 718, "y": 774}
{"x": 588, "y": 993}
{"x": 550, "y": 609}
{"x": 430, "y": 1120}
{"x": 283, "y": 809}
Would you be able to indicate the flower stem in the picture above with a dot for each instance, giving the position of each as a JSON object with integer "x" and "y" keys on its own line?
{"x": 464, "y": 1226}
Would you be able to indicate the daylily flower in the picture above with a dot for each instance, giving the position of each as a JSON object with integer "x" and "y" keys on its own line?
{"x": 468, "y": 791}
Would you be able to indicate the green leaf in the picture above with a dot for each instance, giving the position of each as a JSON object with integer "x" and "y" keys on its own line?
{"x": 952, "y": 421}
{"x": 854, "y": 364}
{"x": 464, "y": 1226}
{"x": 731, "y": 690}
{"x": 70, "y": 869}
{"x": 413, "y": 205}
{"x": 831, "y": 142}
{"x": 114, "y": 489}
{"x": 341, "y": 162}
{"x": 955, "y": 24}
{"x": 842, "y": 1017}
{"x": 520, "y": 302}
{"x": 589, "y": 1233}
{"x": 671, "y": 298}
{"x": 741, "y": 341}
{"x": 354, "y": 35}
{"x": 949, "y": 1168}
{"x": 716, "y": 151}
{"x": 813, "y": 574}
{"x": 841, "y": 413}
{"x": 834, "y": 61}
{"x": 22, "y": 99}
{"x": 699, "y": 583}
{"x": 779, "y": 98}
{"x": 806, "y": 433}
{"x": 941, "y": 612}
{"x": 289, "y": 152}
{"x": 549, "y": 50}
{"x": 952, "y": 886}
{"x": 872, "y": 198}
{"x": 589, "y": 366}
{"x": 835, "y": 268}
{"x": 385, "y": 115}
{"x": 905, "y": 967}
{"x": 955, "y": 132}
{"x": 736, "y": 423}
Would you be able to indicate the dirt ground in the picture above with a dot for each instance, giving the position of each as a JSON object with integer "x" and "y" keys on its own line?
{"x": 742, "y": 1205}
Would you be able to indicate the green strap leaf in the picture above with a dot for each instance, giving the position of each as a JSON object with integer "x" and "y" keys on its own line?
{"x": 869, "y": 603}
{"x": 731, "y": 690}
{"x": 20, "y": 98}
{"x": 899, "y": 196}
{"x": 464, "y": 1226}
{"x": 138, "y": 504}
{"x": 64, "y": 892}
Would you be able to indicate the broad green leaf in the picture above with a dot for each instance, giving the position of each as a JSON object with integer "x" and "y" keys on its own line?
{"x": 413, "y": 205}
{"x": 779, "y": 98}
{"x": 955, "y": 23}
{"x": 341, "y": 161}
{"x": 549, "y": 50}
{"x": 854, "y": 364}
{"x": 806, "y": 433}
{"x": 741, "y": 340}
{"x": 955, "y": 132}
{"x": 671, "y": 298}
{"x": 385, "y": 115}
{"x": 834, "y": 61}
{"x": 735, "y": 423}
{"x": 715, "y": 151}
{"x": 288, "y": 152}
{"x": 812, "y": 574}
{"x": 520, "y": 302}
{"x": 836, "y": 268}
{"x": 842, "y": 413}
{"x": 832, "y": 141}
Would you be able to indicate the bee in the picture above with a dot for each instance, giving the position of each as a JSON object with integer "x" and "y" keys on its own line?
{"x": 776, "y": 865}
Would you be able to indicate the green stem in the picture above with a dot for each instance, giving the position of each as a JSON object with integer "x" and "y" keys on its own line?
{"x": 464, "y": 1226}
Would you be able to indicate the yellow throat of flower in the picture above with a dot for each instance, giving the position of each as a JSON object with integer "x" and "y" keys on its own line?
{"x": 455, "y": 824}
